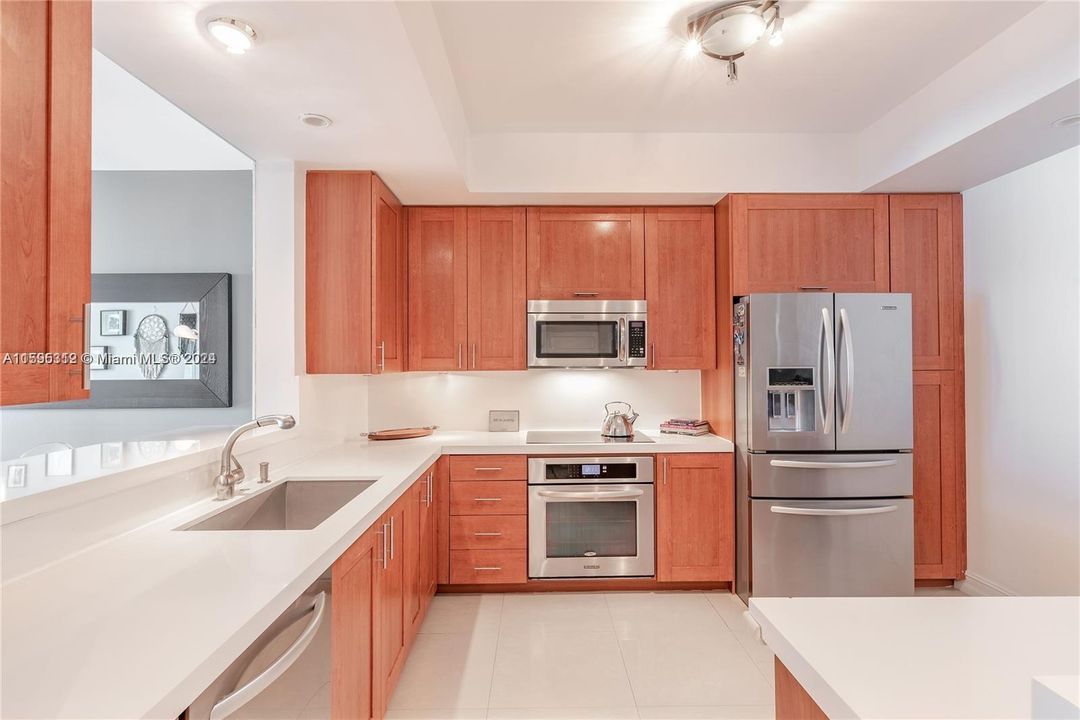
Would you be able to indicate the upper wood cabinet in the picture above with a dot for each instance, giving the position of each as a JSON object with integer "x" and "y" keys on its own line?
{"x": 438, "y": 287}
{"x": 496, "y": 333}
{"x": 466, "y": 288}
{"x": 788, "y": 243}
{"x": 355, "y": 274}
{"x": 925, "y": 241}
{"x": 680, "y": 287}
{"x": 578, "y": 253}
{"x": 695, "y": 517}
{"x": 45, "y": 180}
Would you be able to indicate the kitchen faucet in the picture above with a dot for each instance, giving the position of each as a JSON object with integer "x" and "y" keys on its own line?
{"x": 229, "y": 477}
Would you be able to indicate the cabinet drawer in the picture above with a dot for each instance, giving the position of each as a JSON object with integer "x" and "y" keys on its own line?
{"x": 469, "y": 567}
{"x": 488, "y": 498}
{"x": 488, "y": 467}
{"x": 477, "y": 532}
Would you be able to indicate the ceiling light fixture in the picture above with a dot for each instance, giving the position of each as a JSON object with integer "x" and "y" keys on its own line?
{"x": 236, "y": 35}
{"x": 1067, "y": 121}
{"x": 726, "y": 31}
{"x": 315, "y": 120}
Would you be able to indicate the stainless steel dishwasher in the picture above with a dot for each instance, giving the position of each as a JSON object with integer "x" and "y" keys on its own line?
{"x": 283, "y": 672}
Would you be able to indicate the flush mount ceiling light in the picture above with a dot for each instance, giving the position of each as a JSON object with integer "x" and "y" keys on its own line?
{"x": 1067, "y": 121}
{"x": 315, "y": 120}
{"x": 235, "y": 35}
{"x": 726, "y": 31}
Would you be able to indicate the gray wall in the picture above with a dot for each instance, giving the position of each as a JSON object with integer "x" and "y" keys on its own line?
{"x": 159, "y": 221}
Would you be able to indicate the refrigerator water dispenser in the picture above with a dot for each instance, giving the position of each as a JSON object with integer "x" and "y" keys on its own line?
{"x": 791, "y": 397}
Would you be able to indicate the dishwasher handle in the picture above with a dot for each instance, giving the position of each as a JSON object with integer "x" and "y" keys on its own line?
{"x": 241, "y": 696}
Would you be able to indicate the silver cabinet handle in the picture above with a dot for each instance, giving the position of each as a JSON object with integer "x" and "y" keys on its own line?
{"x": 385, "y": 546}
{"x": 459, "y": 356}
{"x": 487, "y": 534}
{"x": 487, "y": 469}
{"x": 586, "y": 294}
{"x": 430, "y": 488}
{"x": 238, "y": 698}
{"x": 382, "y": 355}
{"x": 391, "y": 537}
{"x": 822, "y": 465}
{"x": 665, "y": 471}
{"x": 588, "y": 495}
{"x": 849, "y": 389}
{"x": 490, "y": 568}
{"x": 806, "y": 288}
{"x": 829, "y": 393}
{"x": 487, "y": 499}
{"x": 473, "y": 348}
{"x": 781, "y": 510}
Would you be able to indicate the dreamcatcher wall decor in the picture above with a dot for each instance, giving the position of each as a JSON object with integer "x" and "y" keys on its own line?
{"x": 152, "y": 346}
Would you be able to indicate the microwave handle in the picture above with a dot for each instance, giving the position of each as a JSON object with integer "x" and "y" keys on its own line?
{"x": 622, "y": 340}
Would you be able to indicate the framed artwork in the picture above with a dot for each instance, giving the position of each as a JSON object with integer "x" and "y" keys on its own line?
{"x": 100, "y": 357}
{"x": 113, "y": 322}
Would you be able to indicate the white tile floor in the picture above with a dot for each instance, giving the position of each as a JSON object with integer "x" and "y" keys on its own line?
{"x": 584, "y": 656}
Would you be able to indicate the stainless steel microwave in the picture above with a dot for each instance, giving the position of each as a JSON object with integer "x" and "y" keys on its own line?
{"x": 587, "y": 333}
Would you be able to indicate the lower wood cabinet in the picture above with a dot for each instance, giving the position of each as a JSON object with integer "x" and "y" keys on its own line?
{"x": 350, "y": 641}
{"x": 695, "y": 517}
{"x": 938, "y": 486}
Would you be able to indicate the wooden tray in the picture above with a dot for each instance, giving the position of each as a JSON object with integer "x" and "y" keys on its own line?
{"x": 401, "y": 433}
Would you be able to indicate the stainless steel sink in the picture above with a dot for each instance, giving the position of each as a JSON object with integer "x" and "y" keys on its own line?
{"x": 292, "y": 505}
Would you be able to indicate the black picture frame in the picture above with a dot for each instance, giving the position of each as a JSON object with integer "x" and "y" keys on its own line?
{"x": 213, "y": 388}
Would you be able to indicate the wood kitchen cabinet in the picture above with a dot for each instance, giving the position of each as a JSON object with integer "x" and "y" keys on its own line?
{"x": 680, "y": 287}
{"x": 695, "y": 517}
{"x": 388, "y": 642}
{"x": 586, "y": 253}
{"x": 351, "y": 695}
{"x": 790, "y": 243}
{"x": 45, "y": 79}
{"x": 938, "y": 487}
{"x": 427, "y": 545}
{"x": 466, "y": 288}
{"x": 356, "y": 264}
{"x": 487, "y": 516}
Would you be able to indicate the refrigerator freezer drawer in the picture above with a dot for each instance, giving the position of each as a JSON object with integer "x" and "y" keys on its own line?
{"x": 774, "y": 475}
{"x": 814, "y": 548}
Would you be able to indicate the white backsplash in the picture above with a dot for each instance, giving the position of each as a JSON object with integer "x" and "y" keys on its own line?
{"x": 547, "y": 399}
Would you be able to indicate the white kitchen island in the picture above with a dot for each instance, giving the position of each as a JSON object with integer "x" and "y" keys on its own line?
{"x": 918, "y": 657}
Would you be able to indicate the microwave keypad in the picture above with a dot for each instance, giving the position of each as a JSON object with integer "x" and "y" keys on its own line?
{"x": 637, "y": 339}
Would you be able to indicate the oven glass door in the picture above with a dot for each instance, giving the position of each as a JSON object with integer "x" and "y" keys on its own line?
{"x": 591, "y": 530}
{"x": 556, "y": 340}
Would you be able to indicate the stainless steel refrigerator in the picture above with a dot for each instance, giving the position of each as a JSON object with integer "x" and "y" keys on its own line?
{"x": 823, "y": 435}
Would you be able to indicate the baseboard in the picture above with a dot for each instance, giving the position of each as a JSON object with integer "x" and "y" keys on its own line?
{"x": 978, "y": 586}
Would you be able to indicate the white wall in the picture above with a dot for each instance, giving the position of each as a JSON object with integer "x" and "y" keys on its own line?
{"x": 1021, "y": 240}
{"x": 547, "y": 399}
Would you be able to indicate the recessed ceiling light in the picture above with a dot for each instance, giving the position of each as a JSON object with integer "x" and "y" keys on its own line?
{"x": 236, "y": 35}
{"x": 1067, "y": 121}
{"x": 314, "y": 120}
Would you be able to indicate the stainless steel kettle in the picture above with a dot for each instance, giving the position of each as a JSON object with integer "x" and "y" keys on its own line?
{"x": 618, "y": 424}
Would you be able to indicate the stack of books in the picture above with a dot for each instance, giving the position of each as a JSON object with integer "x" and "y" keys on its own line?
{"x": 685, "y": 426}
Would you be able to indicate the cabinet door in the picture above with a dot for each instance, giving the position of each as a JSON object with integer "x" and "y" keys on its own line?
{"x": 339, "y": 272}
{"x": 496, "y": 288}
{"x": 45, "y": 80}
{"x": 411, "y": 554}
{"x": 680, "y": 287}
{"x": 586, "y": 253}
{"x": 351, "y": 640}
{"x": 388, "y": 262}
{"x": 389, "y": 611}
{"x": 428, "y": 540}
{"x": 923, "y": 239}
{"x": 438, "y": 288}
{"x": 831, "y": 243}
{"x": 695, "y": 518}
{"x": 936, "y": 455}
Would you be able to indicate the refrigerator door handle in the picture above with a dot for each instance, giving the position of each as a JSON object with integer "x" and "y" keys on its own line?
{"x": 828, "y": 395}
{"x": 823, "y": 465}
{"x": 849, "y": 384}
{"x": 783, "y": 510}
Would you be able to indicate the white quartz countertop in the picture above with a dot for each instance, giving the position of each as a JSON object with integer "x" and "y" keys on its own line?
{"x": 139, "y": 625}
{"x": 922, "y": 657}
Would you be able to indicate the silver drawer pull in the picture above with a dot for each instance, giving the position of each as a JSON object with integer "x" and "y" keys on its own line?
{"x": 487, "y": 534}
{"x": 824, "y": 465}
{"x": 781, "y": 510}
{"x": 487, "y": 499}
{"x": 487, "y": 469}
{"x": 586, "y": 294}
{"x": 491, "y": 569}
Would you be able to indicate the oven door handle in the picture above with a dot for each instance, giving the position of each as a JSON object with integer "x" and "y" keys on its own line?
{"x": 590, "y": 495}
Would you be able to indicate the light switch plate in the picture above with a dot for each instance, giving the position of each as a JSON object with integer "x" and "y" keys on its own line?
{"x": 503, "y": 420}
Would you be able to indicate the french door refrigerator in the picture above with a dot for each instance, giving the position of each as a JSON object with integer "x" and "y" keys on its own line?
{"x": 823, "y": 435}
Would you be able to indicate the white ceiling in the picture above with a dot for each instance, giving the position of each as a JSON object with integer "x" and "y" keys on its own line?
{"x": 460, "y": 101}
{"x": 619, "y": 66}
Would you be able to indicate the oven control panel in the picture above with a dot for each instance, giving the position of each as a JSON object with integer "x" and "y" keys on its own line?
{"x": 636, "y": 339}
{"x": 590, "y": 470}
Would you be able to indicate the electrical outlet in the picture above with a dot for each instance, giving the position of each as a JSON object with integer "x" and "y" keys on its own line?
{"x": 503, "y": 420}
{"x": 16, "y": 476}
